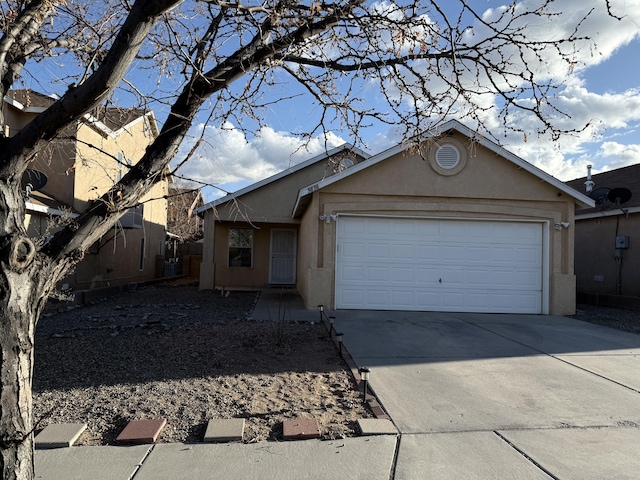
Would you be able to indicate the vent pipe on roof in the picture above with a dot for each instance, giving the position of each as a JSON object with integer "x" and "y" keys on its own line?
{"x": 589, "y": 183}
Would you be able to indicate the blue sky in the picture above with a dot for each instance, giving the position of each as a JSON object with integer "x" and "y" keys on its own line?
{"x": 606, "y": 91}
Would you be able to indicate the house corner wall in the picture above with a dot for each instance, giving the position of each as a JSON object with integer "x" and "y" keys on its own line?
{"x": 562, "y": 279}
{"x": 563, "y": 287}
{"x": 208, "y": 267}
{"x": 315, "y": 281}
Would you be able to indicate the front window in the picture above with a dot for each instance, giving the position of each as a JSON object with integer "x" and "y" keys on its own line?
{"x": 240, "y": 247}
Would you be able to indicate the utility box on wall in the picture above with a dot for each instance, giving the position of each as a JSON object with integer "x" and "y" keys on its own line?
{"x": 622, "y": 241}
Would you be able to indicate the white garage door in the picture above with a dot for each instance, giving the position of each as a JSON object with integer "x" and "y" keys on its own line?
{"x": 439, "y": 265}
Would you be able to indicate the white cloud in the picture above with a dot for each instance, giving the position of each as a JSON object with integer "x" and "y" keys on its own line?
{"x": 612, "y": 116}
{"x": 227, "y": 156}
{"x": 619, "y": 155}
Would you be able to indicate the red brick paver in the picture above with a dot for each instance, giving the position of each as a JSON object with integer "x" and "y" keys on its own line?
{"x": 300, "y": 429}
{"x": 141, "y": 432}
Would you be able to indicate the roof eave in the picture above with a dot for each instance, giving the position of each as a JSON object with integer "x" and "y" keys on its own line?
{"x": 33, "y": 207}
{"x": 254, "y": 186}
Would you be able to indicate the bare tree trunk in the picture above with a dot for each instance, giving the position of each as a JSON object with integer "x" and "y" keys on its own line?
{"x": 18, "y": 313}
{"x": 26, "y": 279}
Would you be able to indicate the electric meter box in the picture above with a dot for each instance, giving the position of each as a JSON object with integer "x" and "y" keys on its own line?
{"x": 622, "y": 241}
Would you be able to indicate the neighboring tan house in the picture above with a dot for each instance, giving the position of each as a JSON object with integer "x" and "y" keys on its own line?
{"x": 458, "y": 224}
{"x": 80, "y": 166}
{"x": 607, "y": 251}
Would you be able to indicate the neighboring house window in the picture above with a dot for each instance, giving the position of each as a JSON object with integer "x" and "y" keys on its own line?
{"x": 240, "y": 247}
{"x": 121, "y": 161}
{"x": 119, "y": 175}
{"x": 142, "y": 254}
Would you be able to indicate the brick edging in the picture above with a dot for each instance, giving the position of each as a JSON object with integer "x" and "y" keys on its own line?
{"x": 372, "y": 399}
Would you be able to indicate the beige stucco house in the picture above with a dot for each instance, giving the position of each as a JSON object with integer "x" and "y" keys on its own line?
{"x": 81, "y": 166}
{"x": 455, "y": 223}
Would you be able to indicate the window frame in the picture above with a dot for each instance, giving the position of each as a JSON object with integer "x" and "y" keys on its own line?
{"x": 232, "y": 248}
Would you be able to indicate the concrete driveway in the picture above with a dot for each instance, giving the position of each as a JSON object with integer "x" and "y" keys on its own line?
{"x": 479, "y": 396}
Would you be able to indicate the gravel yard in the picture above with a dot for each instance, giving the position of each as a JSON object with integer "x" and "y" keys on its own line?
{"x": 173, "y": 352}
{"x": 626, "y": 320}
{"x": 187, "y": 356}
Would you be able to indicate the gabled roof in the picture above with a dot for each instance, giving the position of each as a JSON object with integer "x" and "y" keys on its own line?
{"x": 113, "y": 121}
{"x": 451, "y": 125}
{"x": 625, "y": 177}
{"x": 282, "y": 174}
{"x": 29, "y": 101}
{"x": 110, "y": 121}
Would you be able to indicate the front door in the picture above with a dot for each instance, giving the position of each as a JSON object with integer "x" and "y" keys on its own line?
{"x": 282, "y": 267}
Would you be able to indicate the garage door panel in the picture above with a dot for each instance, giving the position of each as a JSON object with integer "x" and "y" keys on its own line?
{"x": 351, "y": 273}
{"x": 453, "y": 301}
{"x": 350, "y": 298}
{"x": 400, "y": 252}
{"x": 427, "y": 275}
{"x": 403, "y": 275}
{"x": 453, "y": 278}
{"x": 400, "y": 298}
{"x": 353, "y": 250}
{"x": 378, "y": 274}
{"x": 478, "y": 301}
{"x": 378, "y": 252}
{"x": 378, "y": 298}
{"x": 429, "y": 252}
{"x": 449, "y": 265}
{"x": 528, "y": 279}
{"x": 427, "y": 300}
{"x": 452, "y": 254}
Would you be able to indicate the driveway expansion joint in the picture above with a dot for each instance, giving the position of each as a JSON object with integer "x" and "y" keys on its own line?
{"x": 144, "y": 459}
{"x": 521, "y": 452}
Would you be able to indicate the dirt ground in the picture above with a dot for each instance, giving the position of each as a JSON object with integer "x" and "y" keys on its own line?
{"x": 187, "y": 356}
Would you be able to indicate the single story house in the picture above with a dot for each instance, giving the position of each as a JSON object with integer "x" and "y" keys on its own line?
{"x": 607, "y": 252}
{"x": 452, "y": 223}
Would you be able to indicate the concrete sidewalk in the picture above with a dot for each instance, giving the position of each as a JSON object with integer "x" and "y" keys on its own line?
{"x": 282, "y": 304}
{"x": 352, "y": 458}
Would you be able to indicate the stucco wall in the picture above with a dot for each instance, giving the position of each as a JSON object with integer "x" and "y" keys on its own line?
{"x": 274, "y": 203}
{"x": 116, "y": 258}
{"x": 256, "y": 276}
{"x": 96, "y": 167}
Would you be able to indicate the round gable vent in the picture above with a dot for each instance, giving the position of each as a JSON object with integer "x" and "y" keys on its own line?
{"x": 447, "y": 156}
